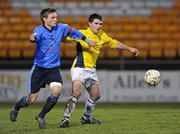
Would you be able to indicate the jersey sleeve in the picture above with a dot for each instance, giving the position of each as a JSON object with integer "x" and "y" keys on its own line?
{"x": 82, "y": 42}
{"x": 112, "y": 43}
{"x": 73, "y": 33}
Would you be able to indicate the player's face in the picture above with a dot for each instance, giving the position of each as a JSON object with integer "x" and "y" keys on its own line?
{"x": 51, "y": 20}
{"x": 95, "y": 25}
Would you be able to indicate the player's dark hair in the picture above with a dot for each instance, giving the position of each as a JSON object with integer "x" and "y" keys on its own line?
{"x": 94, "y": 16}
{"x": 46, "y": 11}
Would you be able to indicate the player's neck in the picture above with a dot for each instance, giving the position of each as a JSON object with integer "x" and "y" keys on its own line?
{"x": 92, "y": 31}
{"x": 48, "y": 27}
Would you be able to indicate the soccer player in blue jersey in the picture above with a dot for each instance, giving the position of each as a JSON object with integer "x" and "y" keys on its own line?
{"x": 48, "y": 37}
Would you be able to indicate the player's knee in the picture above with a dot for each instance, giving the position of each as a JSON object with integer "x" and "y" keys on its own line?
{"x": 56, "y": 88}
{"x": 76, "y": 93}
{"x": 57, "y": 92}
{"x": 77, "y": 88}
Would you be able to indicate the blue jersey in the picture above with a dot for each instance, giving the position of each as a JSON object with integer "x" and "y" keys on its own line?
{"x": 48, "y": 43}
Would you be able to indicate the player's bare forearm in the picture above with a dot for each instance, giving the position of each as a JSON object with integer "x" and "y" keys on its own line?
{"x": 125, "y": 47}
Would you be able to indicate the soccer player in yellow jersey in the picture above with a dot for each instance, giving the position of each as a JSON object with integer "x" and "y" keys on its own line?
{"x": 83, "y": 71}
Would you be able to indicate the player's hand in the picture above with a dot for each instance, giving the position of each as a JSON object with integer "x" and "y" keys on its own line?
{"x": 92, "y": 43}
{"x": 32, "y": 37}
{"x": 135, "y": 51}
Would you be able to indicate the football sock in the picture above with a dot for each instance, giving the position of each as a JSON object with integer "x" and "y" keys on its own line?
{"x": 89, "y": 107}
{"x": 22, "y": 103}
{"x": 70, "y": 106}
{"x": 50, "y": 103}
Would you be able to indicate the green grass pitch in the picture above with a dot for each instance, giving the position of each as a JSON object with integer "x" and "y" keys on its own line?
{"x": 117, "y": 119}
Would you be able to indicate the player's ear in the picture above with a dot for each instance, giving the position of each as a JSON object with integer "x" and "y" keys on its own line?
{"x": 90, "y": 23}
{"x": 44, "y": 19}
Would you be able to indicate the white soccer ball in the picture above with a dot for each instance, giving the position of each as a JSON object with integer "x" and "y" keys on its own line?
{"x": 152, "y": 77}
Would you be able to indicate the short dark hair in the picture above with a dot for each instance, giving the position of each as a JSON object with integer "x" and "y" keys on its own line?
{"x": 94, "y": 16}
{"x": 46, "y": 11}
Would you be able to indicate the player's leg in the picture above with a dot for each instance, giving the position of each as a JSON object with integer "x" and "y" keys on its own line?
{"x": 52, "y": 99}
{"x": 25, "y": 101}
{"x": 71, "y": 103}
{"x": 50, "y": 103}
{"x": 95, "y": 94}
{"x": 55, "y": 81}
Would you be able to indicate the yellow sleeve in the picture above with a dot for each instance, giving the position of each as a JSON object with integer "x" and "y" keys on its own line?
{"x": 83, "y": 43}
{"x": 112, "y": 43}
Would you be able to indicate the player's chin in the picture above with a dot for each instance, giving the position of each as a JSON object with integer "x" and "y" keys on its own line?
{"x": 96, "y": 31}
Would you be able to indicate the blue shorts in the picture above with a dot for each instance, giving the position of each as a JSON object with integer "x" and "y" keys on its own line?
{"x": 40, "y": 76}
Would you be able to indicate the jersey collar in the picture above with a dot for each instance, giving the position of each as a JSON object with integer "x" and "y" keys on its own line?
{"x": 48, "y": 29}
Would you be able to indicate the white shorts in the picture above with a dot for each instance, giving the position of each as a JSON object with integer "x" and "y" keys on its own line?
{"x": 87, "y": 76}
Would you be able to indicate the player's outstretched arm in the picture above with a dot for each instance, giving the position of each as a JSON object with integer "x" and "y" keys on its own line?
{"x": 73, "y": 33}
{"x": 131, "y": 49}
